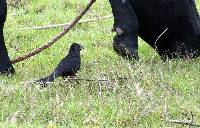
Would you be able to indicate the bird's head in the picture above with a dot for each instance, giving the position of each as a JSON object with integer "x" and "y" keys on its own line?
{"x": 75, "y": 48}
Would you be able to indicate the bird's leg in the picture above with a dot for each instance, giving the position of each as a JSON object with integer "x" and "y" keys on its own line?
{"x": 71, "y": 79}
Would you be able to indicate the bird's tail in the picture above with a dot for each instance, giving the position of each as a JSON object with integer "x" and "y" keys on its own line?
{"x": 46, "y": 80}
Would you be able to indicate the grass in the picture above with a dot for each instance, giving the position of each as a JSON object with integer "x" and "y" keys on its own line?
{"x": 174, "y": 83}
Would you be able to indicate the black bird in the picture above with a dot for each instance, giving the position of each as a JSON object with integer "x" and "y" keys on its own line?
{"x": 68, "y": 66}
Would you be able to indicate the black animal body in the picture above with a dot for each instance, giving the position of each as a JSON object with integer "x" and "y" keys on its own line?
{"x": 172, "y": 27}
{"x": 5, "y": 64}
{"x": 68, "y": 66}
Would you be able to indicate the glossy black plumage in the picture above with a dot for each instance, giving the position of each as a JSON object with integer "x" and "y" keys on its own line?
{"x": 68, "y": 66}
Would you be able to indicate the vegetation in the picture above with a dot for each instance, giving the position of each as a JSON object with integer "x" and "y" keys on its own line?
{"x": 153, "y": 90}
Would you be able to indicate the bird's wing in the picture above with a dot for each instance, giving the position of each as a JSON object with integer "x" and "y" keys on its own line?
{"x": 67, "y": 65}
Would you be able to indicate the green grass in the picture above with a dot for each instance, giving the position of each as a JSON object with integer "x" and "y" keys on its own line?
{"x": 174, "y": 83}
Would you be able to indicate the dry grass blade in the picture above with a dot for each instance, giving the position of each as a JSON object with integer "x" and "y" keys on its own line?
{"x": 189, "y": 123}
{"x": 62, "y": 25}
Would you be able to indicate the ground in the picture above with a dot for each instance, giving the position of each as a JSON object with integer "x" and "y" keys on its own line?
{"x": 137, "y": 102}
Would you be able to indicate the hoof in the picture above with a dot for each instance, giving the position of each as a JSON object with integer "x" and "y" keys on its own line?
{"x": 7, "y": 71}
{"x": 122, "y": 48}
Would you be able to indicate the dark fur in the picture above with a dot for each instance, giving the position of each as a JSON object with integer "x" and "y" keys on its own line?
{"x": 68, "y": 66}
{"x": 5, "y": 65}
{"x": 149, "y": 18}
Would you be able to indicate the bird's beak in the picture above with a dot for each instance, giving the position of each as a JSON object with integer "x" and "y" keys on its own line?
{"x": 81, "y": 46}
